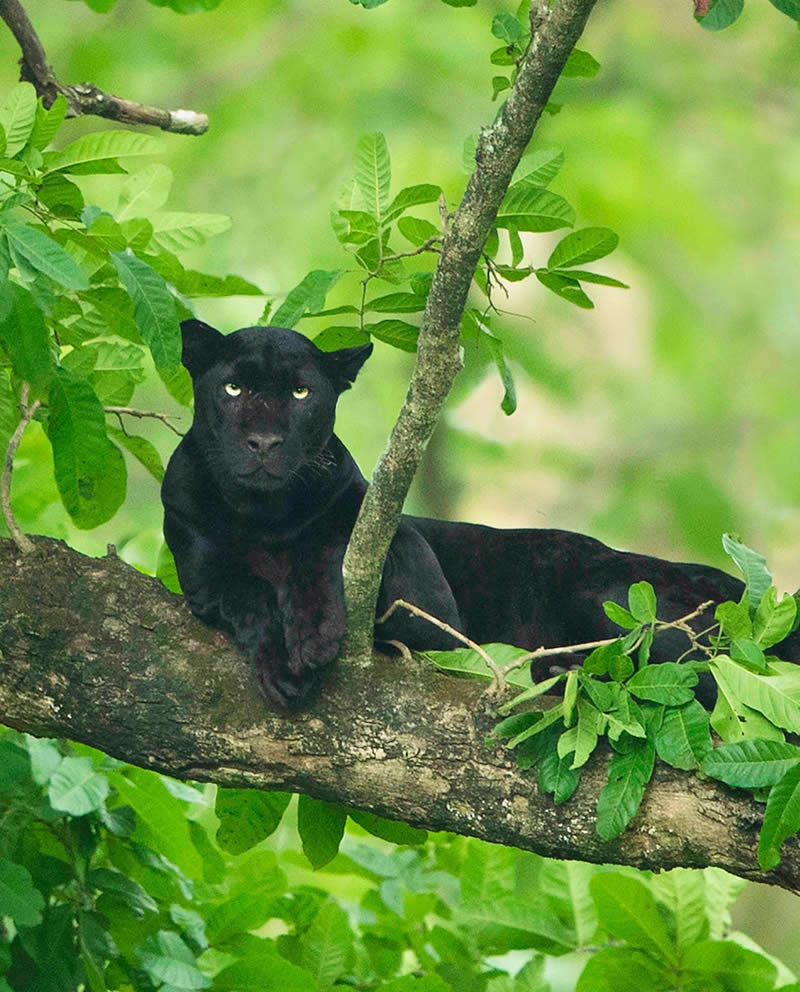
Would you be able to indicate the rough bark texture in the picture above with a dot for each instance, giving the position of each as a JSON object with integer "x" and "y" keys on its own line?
{"x": 94, "y": 651}
{"x": 555, "y": 30}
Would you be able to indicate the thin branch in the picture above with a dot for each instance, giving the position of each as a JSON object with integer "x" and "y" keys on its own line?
{"x": 129, "y": 411}
{"x": 499, "y": 680}
{"x": 555, "y": 30}
{"x": 86, "y": 98}
{"x": 27, "y": 411}
{"x": 682, "y": 624}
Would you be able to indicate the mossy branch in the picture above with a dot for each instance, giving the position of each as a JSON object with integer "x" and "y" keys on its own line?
{"x": 94, "y": 651}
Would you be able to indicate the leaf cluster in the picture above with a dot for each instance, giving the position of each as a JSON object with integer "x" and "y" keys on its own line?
{"x": 90, "y": 298}
{"x": 113, "y": 878}
{"x": 646, "y": 711}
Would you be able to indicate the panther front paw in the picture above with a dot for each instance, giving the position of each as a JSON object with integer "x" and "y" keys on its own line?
{"x": 282, "y": 688}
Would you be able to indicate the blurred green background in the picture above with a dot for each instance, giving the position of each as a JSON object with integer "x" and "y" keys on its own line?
{"x": 655, "y": 422}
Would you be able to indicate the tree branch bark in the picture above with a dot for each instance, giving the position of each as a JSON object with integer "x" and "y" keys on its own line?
{"x": 86, "y": 98}
{"x": 555, "y": 30}
{"x": 94, "y": 651}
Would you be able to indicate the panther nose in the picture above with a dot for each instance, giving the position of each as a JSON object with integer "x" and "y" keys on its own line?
{"x": 263, "y": 444}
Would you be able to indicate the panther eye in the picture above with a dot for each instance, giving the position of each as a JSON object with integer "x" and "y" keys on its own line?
{"x": 301, "y": 392}
{"x": 232, "y": 389}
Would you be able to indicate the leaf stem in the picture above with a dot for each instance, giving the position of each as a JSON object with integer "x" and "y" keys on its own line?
{"x": 27, "y": 411}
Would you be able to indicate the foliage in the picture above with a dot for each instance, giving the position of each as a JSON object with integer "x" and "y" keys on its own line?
{"x": 112, "y": 878}
{"x": 645, "y": 710}
{"x": 683, "y": 898}
{"x": 86, "y": 294}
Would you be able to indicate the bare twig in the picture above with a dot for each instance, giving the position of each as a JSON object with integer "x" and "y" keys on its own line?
{"x": 680, "y": 624}
{"x": 86, "y": 98}
{"x": 26, "y": 414}
{"x": 129, "y": 411}
{"x": 498, "y": 673}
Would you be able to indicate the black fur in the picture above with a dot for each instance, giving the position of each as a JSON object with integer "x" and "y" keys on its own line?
{"x": 260, "y": 498}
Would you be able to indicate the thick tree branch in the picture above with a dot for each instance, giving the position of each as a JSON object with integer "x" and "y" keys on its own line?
{"x": 94, "y": 651}
{"x": 86, "y": 98}
{"x": 555, "y": 30}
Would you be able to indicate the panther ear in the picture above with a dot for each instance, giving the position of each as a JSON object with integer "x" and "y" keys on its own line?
{"x": 346, "y": 363}
{"x": 200, "y": 345}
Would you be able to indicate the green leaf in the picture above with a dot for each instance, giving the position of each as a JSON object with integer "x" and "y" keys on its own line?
{"x": 61, "y": 196}
{"x": 506, "y": 28}
{"x": 683, "y": 892}
{"x": 308, "y": 295}
{"x": 374, "y": 173}
{"x": 558, "y": 777}
{"x": 19, "y": 899}
{"x": 144, "y": 451}
{"x": 396, "y": 303}
{"x": 753, "y": 566}
{"x": 153, "y": 310}
{"x": 112, "y": 882}
{"x": 76, "y": 787}
{"x": 161, "y": 815}
{"x": 734, "y": 619}
{"x": 777, "y": 697}
{"x": 509, "y": 402}
{"x": 199, "y": 284}
{"x": 565, "y": 286}
{"x": 683, "y": 739}
{"x": 620, "y": 798}
{"x": 242, "y": 912}
{"x": 721, "y": 14}
{"x": 733, "y": 721}
{"x": 397, "y": 333}
{"x": 263, "y": 971}
{"x": 773, "y": 620}
{"x": 416, "y": 230}
{"x": 751, "y": 764}
{"x": 642, "y": 602}
{"x": 781, "y": 818}
{"x": 580, "y": 63}
{"x": 789, "y": 7}
{"x": 531, "y": 209}
{"x": 588, "y": 727}
{"x": 92, "y": 152}
{"x": 619, "y": 615}
{"x": 321, "y": 827}
{"x": 581, "y": 275}
{"x": 44, "y": 255}
{"x": 89, "y": 471}
{"x": 628, "y": 911}
{"x": 334, "y": 338}
{"x": 25, "y": 337}
{"x": 326, "y": 948}
{"x": 670, "y": 683}
{"x": 583, "y": 246}
{"x": 48, "y": 122}
{"x": 247, "y": 816}
{"x": 176, "y": 232}
{"x": 144, "y": 192}
{"x": 392, "y": 830}
{"x": 166, "y": 958}
{"x": 540, "y": 168}
{"x": 18, "y": 116}
{"x": 724, "y": 964}
{"x": 412, "y": 196}
{"x": 621, "y": 969}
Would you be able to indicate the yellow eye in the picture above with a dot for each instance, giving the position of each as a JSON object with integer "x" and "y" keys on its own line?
{"x": 301, "y": 392}
{"x": 232, "y": 389}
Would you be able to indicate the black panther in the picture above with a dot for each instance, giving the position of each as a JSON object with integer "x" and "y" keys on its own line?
{"x": 260, "y": 498}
